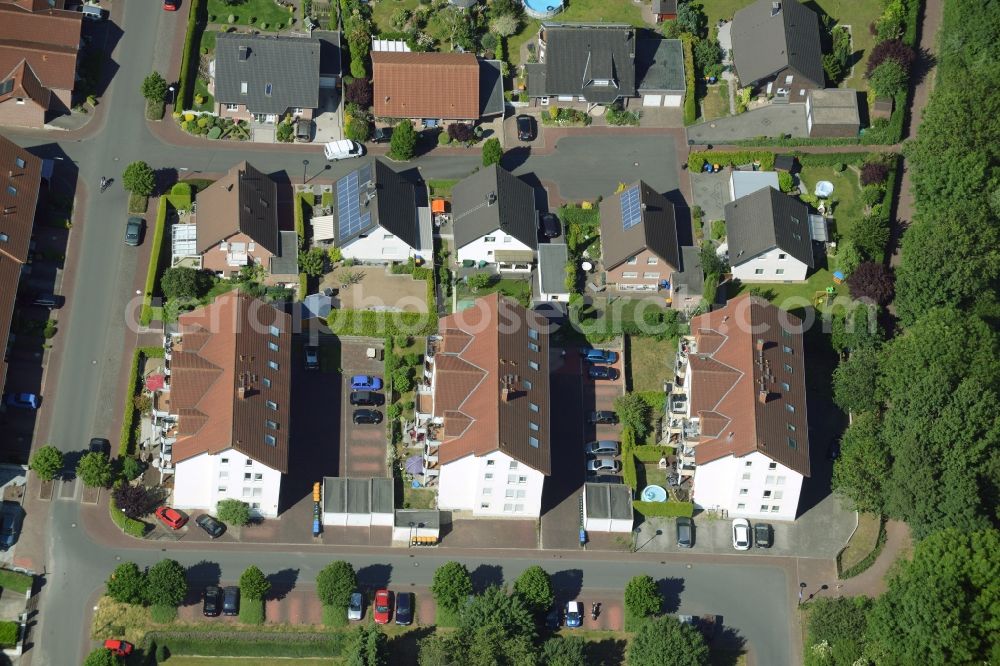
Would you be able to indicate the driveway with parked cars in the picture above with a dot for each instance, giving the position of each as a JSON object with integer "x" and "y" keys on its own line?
{"x": 600, "y": 395}
{"x": 364, "y": 444}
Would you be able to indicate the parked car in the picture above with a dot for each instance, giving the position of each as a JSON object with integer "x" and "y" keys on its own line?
{"x": 99, "y": 445}
{"x": 305, "y": 130}
{"x": 525, "y": 128}
{"x": 741, "y": 534}
{"x": 602, "y": 448}
{"x": 365, "y": 383}
{"x": 355, "y": 606}
{"x": 11, "y": 520}
{"x": 172, "y": 518}
{"x": 91, "y": 12}
{"x": 763, "y": 535}
{"x": 312, "y": 358}
{"x": 554, "y": 618}
{"x": 383, "y": 606}
{"x": 596, "y": 465}
{"x": 604, "y": 416}
{"x": 215, "y": 528}
{"x": 404, "y": 608}
{"x": 22, "y": 400}
{"x": 366, "y": 398}
{"x": 601, "y": 356}
{"x": 574, "y": 614}
{"x": 685, "y": 532}
{"x": 211, "y": 606}
{"x": 382, "y": 135}
{"x": 602, "y": 372}
{"x": 119, "y": 648}
{"x": 231, "y": 600}
{"x": 171, "y": 5}
{"x": 133, "y": 231}
{"x": 367, "y": 417}
{"x": 549, "y": 225}
{"x": 342, "y": 150}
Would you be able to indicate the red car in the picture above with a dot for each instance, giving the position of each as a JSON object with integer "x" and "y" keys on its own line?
{"x": 120, "y": 648}
{"x": 172, "y": 518}
{"x": 383, "y": 606}
{"x": 171, "y": 5}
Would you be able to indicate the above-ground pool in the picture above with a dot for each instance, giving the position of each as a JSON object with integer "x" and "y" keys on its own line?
{"x": 541, "y": 9}
{"x": 654, "y": 494}
{"x": 824, "y": 188}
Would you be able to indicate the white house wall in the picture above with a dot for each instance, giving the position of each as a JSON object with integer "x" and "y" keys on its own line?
{"x": 490, "y": 486}
{"x": 772, "y": 267}
{"x": 481, "y": 250}
{"x": 193, "y": 483}
{"x": 740, "y": 488}
{"x": 201, "y": 482}
{"x": 379, "y": 245}
{"x": 456, "y": 484}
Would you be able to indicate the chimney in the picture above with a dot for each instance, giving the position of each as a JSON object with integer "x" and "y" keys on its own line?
{"x": 760, "y": 344}
{"x": 775, "y": 8}
{"x": 244, "y": 53}
{"x": 241, "y": 393}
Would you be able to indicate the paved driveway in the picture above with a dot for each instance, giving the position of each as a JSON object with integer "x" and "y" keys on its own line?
{"x": 772, "y": 120}
{"x": 364, "y": 448}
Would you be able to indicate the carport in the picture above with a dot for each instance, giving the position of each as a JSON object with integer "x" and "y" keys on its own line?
{"x": 357, "y": 502}
{"x": 607, "y": 507}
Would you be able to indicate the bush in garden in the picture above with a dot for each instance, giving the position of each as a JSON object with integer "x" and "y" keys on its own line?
{"x": 358, "y": 129}
{"x": 872, "y": 194}
{"x": 231, "y": 19}
{"x": 888, "y": 78}
{"x": 215, "y": 133}
{"x": 443, "y": 139}
{"x": 894, "y": 50}
{"x": 874, "y": 173}
{"x": 460, "y": 132}
{"x": 359, "y": 91}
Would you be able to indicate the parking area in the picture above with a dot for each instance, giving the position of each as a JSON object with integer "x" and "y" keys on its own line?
{"x": 599, "y": 395}
{"x": 771, "y": 120}
{"x": 364, "y": 445}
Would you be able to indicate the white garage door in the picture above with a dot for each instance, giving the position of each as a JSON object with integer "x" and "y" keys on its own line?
{"x": 651, "y": 100}
{"x": 673, "y": 100}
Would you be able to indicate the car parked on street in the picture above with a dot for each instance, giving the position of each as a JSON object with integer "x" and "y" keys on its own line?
{"x": 763, "y": 535}
{"x": 596, "y": 465}
{"x": 172, "y": 518}
{"x": 11, "y": 520}
{"x": 685, "y": 532}
{"x": 100, "y": 445}
{"x": 603, "y": 447}
{"x": 22, "y": 400}
{"x": 312, "y": 357}
{"x": 231, "y": 600}
{"x": 383, "y": 606}
{"x": 119, "y": 648}
{"x": 603, "y": 416}
{"x": 602, "y": 372}
{"x": 404, "y": 608}
{"x": 215, "y": 528}
{"x": 171, "y": 5}
{"x": 43, "y": 299}
{"x": 525, "y": 128}
{"x": 367, "y": 417}
{"x": 211, "y": 606}
{"x": 133, "y": 231}
{"x": 366, "y": 383}
{"x": 600, "y": 356}
{"x": 741, "y": 534}
{"x": 355, "y": 606}
{"x": 366, "y": 399}
{"x": 574, "y": 614}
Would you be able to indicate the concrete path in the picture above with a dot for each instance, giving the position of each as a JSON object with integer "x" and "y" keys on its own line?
{"x": 872, "y": 582}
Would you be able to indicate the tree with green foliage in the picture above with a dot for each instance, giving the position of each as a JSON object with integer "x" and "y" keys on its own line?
{"x": 888, "y": 79}
{"x": 534, "y": 586}
{"x": 691, "y": 19}
{"x": 440, "y": 650}
{"x": 666, "y": 641}
{"x": 358, "y": 129}
{"x": 139, "y": 178}
{"x": 402, "y": 380}
{"x": 166, "y": 584}
{"x": 856, "y": 328}
{"x": 102, "y": 657}
{"x": 254, "y": 585}
{"x": 312, "y": 262}
{"x": 478, "y": 281}
{"x": 941, "y": 606}
{"x": 185, "y": 282}
{"x": 848, "y": 256}
{"x": 861, "y": 472}
{"x": 492, "y": 151}
{"x": 403, "y": 141}
{"x": 47, "y": 462}
{"x": 132, "y": 469}
{"x": 642, "y": 599}
{"x": 233, "y": 512}
{"x": 836, "y": 631}
{"x": 127, "y": 584}
{"x": 633, "y": 412}
{"x": 560, "y": 651}
{"x": 452, "y": 586}
{"x": 368, "y": 647}
{"x": 94, "y": 469}
{"x": 504, "y": 25}
{"x": 707, "y": 57}
{"x": 870, "y": 235}
{"x": 855, "y": 381}
{"x": 495, "y": 629}
{"x": 154, "y": 87}
{"x": 335, "y": 583}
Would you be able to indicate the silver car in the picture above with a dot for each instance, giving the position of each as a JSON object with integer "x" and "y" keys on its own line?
{"x": 355, "y": 606}
{"x": 602, "y": 448}
{"x": 603, "y": 465}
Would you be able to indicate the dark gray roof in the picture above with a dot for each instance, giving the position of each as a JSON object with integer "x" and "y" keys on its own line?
{"x": 655, "y": 230}
{"x": 361, "y": 496}
{"x": 764, "y": 220}
{"x": 766, "y": 41}
{"x": 608, "y": 501}
{"x": 578, "y": 55}
{"x": 286, "y": 262}
{"x": 664, "y": 6}
{"x": 490, "y": 88}
{"x": 659, "y": 65}
{"x": 382, "y": 495}
{"x": 690, "y": 279}
{"x": 329, "y": 52}
{"x": 552, "y": 258}
{"x": 537, "y": 83}
{"x": 279, "y": 72}
{"x": 334, "y": 494}
{"x": 393, "y": 206}
{"x": 511, "y": 208}
{"x": 430, "y": 518}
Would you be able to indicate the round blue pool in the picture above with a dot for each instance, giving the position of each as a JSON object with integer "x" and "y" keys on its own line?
{"x": 654, "y": 494}
{"x": 542, "y": 9}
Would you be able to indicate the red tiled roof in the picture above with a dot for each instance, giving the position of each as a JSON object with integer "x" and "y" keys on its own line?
{"x": 49, "y": 40}
{"x": 426, "y": 85}
{"x": 26, "y": 84}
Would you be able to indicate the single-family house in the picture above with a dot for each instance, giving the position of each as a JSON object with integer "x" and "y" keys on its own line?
{"x": 434, "y": 88}
{"x": 833, "y": 112}
{"x": 552, "y": 259}
{"x": 39, "y": 45}
{"x": 664, "y": 10}
{"x": 230, "y": 387}
{"x": 659, "y": 72}
{"x": 264, "y": 78}
{"x": 744, "y": 410}
{"x": 495, "y": 220}
{"x": 777, "y": 49}
{"x": 639, "y": 248}
{"x": 20, "y": 183}
{"x": 485, "y": 390}
{"x": 237, "y": 225}
{"x": 375, "y": 217}
{"x": 769, "y": 235}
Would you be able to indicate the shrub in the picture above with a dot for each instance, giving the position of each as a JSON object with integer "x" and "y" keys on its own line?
{"x": 690, "y": 102}
{"x": 359, "y": 91}
{"x": 888, "y": 78}
{"x": 154, "y": 87}
{"x": 215, "y": 133}
{"x": 616, "y": 115}
{"x": 891, "y": 50}
{"x": 231, "y": 19}
{"x": 358, "y": 129}
{"x": 139, "y": 178}
{"x": 492, "y": 151}
{"x": 698, "y": 159}
{"x": 443, "y": 139}
{"x": 785, "y": 181}
{"x": 233, "y": 512}
{"x": 403, "y": 142}
{"x": 460, "y": 132}
{"x": 872, "y": 194}
{"x": 874, "y": 173}
{"x": 871, "y": 281}
{"x": 131, "y": 527}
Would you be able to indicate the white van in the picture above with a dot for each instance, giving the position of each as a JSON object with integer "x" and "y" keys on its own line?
{"x": 343, "y": 150}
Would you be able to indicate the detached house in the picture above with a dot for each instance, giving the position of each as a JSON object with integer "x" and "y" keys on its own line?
{"x": 376, "y": 217}
{"x": 769, "y": 236}
{"x": 777, "y": 49}
{"x": 639, "y": 248}
{"x": 263, "y": 78}
{"x": 495, "y": 221}
{"x": 742, "y": 410}
{"x": 484, "y": 403}
{"x": 39, "y": 45}
{"x": 230, "y": 375}
{"x": 237, "y": 225}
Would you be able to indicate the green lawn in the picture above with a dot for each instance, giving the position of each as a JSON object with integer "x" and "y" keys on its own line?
{"x": 519, "y": 290}
{"x": 201, "y": 88}
{"x": 796, "y": 296}
{"x": 208, "y": 41}
{"x": 846, "y": 194}
{"x": 441, "y": 188}
{"x": 716, "y": 102}
{"x": 650, "y": 361}
{"x": 579, "y": 11}
{"x": 418, "y": 498}
{"x": 382, "y": 11}
{"x": 263, "y": 12}
{"x": 15, "y": 582}
{"x": 250, "y": 661}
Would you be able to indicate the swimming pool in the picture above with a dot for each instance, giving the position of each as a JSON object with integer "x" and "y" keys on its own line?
{"x": 541, "y": 9}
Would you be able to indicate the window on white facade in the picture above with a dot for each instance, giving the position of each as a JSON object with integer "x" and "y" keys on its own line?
{"x": 246, "y": 476}
{"x": 487, "y": 491}
{"x": 223, "y": 475}
{"x": 533, "y": 441}
{"x": 522, "y": 480}
{"x": 255, "y": 505}
{"x": 490, "y": 239}
{"x": 652, "y": 261}
{"x": 512, "y": 478}
{"x": 780, "y": 480}
{"x": 763, "y": 508}
{"x": 246, "y": 492}
{"x": 248, "y": 463}
{"x": 632, "y": 261}
{"x": 484, "y": 505}
{"x": 258, "y": 477}
{"x": 508, "y": 507}
{"x": 748, "y": 463}
{"x": 767, "y": 493}
{"x": 513, "y": 464}
{"x": 778, "y": 494}
{"x": 221, "y": 489}
{"x": 779, "y": 271}
{"x": 741, "y": 506}
{"x": 630, "y": 275}
{"x": 782, "y": 257}
{"x": 746, "y": 476}
{"x": 488, "y": 476}
{"x": 773, "y": 465}
{"x": 758, "y": 271}
{"x": 490, "y": 462}
{"x": 743, "y": 491}
{"x": 774, "y": 508}
{"x": 520, "y": 494}
{"x": 224, "y": 461}
{"x": 507, "y": 239}
{"x": 651, "y": 276}
{"x": 258, "y": 492}
{"x": 532, "y": 406}
{"x": 769, "y": 480}
{"x": 509, "y": 493}
{"x": 518, "y": 508}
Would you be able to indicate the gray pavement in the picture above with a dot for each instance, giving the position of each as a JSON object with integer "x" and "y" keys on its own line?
{"x": 771, "y": 120}
{"x": 710, "y": 191}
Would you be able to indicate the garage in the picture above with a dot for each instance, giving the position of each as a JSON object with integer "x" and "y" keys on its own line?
{"x": 652, "y": 100}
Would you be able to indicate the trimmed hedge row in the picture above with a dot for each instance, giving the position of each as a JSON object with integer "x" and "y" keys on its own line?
{"x": 197, "y": 19}
{"x": 690, "y": 103}
{"x": 128, "y": 419}
{"x": 130, "y": 526}
{"x": 151, "y": 272}
{"x": 869, "y": 560}
{"x": 249, "y": 644}
{"x": 664, "y": 509}
{"x": 697, "y": 159}
{"x": 372, "y": 324}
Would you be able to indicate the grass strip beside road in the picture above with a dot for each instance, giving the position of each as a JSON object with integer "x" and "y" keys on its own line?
{"x": 252, "y": 611}
{"x": 14, "y": 581}
{"x": 237, "y": 643}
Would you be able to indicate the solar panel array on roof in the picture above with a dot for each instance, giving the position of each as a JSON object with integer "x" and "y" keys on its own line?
{"x": 631, "y": 208}
{"x": 349, "y": 214}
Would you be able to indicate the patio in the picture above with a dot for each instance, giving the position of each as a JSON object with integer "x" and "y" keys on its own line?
{"x": 375, "y": 288}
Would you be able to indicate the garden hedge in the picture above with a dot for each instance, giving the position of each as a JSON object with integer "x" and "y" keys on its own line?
{"x": 130, "y": 526}
{"x": 664, "y": 509}
{"x": 697, "y": 159}
{"x": 190, "y": 58}
{"x": 128, "y": 419}
{"x": 152, "y": 270}
{"x": 690, "y": 102}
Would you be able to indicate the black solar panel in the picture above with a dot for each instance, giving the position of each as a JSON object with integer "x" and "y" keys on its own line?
{"x": 350, "y": 219}
{"x": 631, "y": 209}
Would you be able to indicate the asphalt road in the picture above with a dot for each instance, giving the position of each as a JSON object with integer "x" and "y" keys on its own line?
{"x": 751, "y": 598}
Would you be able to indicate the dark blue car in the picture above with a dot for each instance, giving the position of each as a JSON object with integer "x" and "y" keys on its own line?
{"x": 22, "y": 400}
{"x": 365, "y": 383}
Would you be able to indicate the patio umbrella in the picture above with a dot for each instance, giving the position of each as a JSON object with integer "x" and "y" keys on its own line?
{"x": 415, "y": 465}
